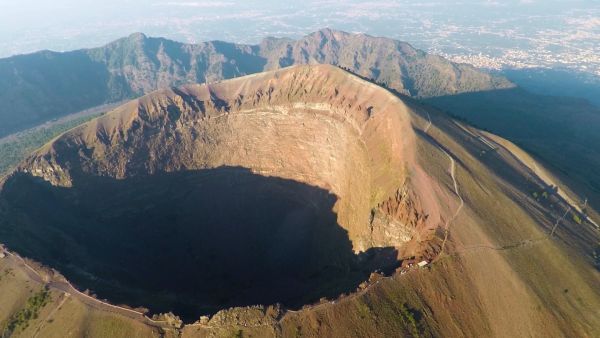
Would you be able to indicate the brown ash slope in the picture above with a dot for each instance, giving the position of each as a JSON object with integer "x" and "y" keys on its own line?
{"x": 267, "y": 188}
{"x": 307, "y": 178}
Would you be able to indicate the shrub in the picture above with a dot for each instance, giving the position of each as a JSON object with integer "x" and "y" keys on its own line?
{"x": 409, "y": 320}
{"x": 35, "y": 303}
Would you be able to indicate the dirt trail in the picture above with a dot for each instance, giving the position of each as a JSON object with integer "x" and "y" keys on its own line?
{"x": 67, "y": 288}
{"x": 495, "y": 142}
{"x": 559, "y": 220}
{"x": 62, "y": 302}
{"x": 426, "y": 129}
{"x": 539, "y": 171}
{"x": 448, "y": 224}
{"x": 501, "y": 248}
{"x": 460, "y": 206}
{"x": 452, "y": 170}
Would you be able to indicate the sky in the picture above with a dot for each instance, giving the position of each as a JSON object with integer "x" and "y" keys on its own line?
{"x": 452, "y": 27}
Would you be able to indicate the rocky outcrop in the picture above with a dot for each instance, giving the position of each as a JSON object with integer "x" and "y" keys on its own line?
{"x": 244, "y": 316}
{"x": 395, "y": 221}
{"x": 315, "y": 124}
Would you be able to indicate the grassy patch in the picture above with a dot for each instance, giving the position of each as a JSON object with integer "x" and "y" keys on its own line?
{"x": 20, "y": 320}
{"x": 364, "y": 311}
{"x": 7, "y": 271}
{"x": 13, "y": 152}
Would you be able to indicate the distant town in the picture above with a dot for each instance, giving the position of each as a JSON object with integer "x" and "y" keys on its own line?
{"x": 486, "y": 34}
{"x": 588, "y": 62}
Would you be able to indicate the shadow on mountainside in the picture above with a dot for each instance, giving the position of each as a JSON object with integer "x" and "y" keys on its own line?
{"x": 560, "y": 132}
{"x": 191, "y": 242}
{"x": 557, "y": 82}
{"x": 535, "y": 197}
{"x": 34, "y": 88}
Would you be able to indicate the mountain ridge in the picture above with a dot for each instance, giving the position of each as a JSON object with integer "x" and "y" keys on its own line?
{"x": 57, "y": 84}
{"x": 39, "y": 87}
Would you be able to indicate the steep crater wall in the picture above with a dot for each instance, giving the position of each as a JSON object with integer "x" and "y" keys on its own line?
{"x": 257, "y": 190}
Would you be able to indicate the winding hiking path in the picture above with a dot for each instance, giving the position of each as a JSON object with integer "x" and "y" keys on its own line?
{"x": 452, "y": 171}
{"x": 426, "y": 129}
{"x": 448, "y": 224}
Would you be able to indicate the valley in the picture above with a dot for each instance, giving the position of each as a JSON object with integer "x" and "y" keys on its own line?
{"x": 15, "y": 147}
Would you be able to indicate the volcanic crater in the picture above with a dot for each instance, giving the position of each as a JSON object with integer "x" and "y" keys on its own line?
{"x": 281, "y": 187}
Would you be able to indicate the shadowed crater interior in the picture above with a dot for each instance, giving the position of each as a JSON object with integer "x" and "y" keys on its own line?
{"x": 191, "y": 242}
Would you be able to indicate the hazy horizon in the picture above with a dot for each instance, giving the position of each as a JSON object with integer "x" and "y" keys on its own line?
{"x": 208, "y": 182}
{"x": 499, "y": 31}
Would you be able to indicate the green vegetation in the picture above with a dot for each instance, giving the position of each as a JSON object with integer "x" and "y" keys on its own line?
{"x": 364, "y": 311}
{"x": 537, "y": 195}
{"x": 35, "y": 303}
{"x": 407, "y": 316}
{"x": 576, "y": 218}
{"x": 398, "y": 309}
{"x": 296, "y": 332}
{"x": 14, "y": 151}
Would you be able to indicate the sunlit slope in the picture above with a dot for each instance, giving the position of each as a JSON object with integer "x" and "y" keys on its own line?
{"x": 405, "y": 177}
{"x": 29, "y": 309}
